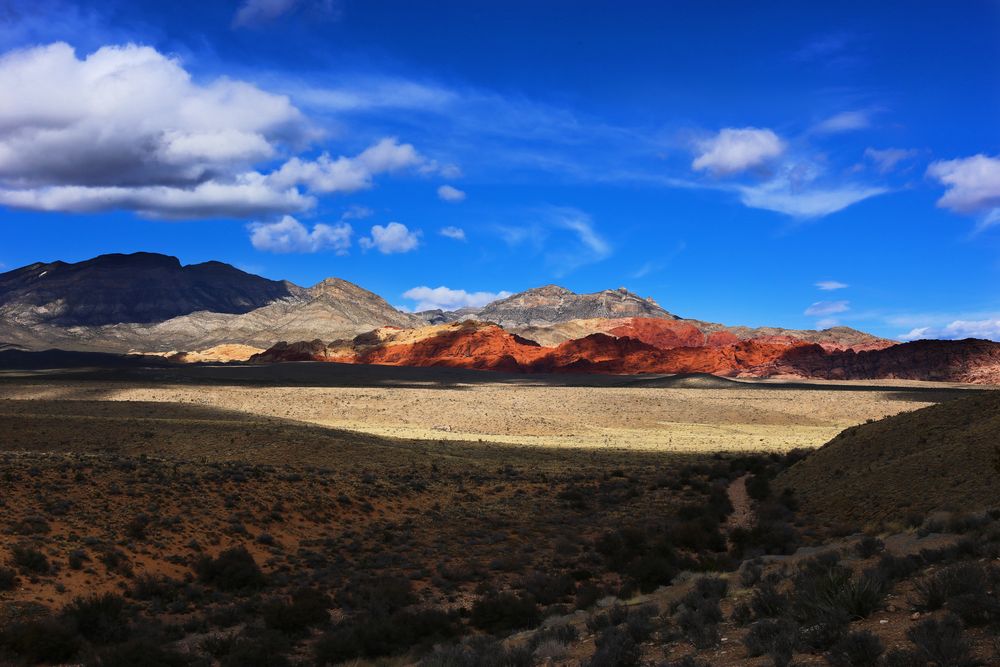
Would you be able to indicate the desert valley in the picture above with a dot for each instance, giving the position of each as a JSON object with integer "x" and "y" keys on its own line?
{"x": 184, "y": 484}
{"x": 499, "y": 333}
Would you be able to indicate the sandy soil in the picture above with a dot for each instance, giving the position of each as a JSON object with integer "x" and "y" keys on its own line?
{"x": 638, "y": 415}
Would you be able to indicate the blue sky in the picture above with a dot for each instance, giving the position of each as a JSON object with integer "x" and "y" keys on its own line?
{"x": 796, "y": 164}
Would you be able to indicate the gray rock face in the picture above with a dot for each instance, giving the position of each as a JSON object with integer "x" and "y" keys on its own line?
{"x": 551, "y": 304}
{"x": 151, "y": 303}
{"x": 138, "y": 288}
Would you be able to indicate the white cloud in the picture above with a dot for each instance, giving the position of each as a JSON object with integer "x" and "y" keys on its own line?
{"x": 450, "y": 194}
{"x": 830, "y": 285}
{"x": 827, "y": 308}
{"x": 845, "y": 121}
{"x": 444, "y": 298}
{"x": 289, "y": 235}
{"x": 345, "y": 174}
{"x": 781, "y": 196}
{"x": 973, "y": 184}
{"x": 390, "y": 239}
{"x": 137, "y": 118}
{"x": 827, "y": 322}
{"x": 734, "y": 150}
{"x": 247, "y": 195}
{"x": 987, "y": 328}
{"x": 451, "y": 232}
{"x": 142, "y": 135}
{"x": 886, "y": 159}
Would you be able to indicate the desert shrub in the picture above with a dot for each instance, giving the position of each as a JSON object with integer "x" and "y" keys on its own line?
{"x": 687, "y": 661}
{"x": 868, "y": 546}
{"x": 742, "y": 614}
{"x": 377, "y": 596}
{"x": 269, "y": 649}
{"x": 836, "y": 588}
{"x": 504, "y": 612}
{"x": 234, "y": 571}
{"x": 615, "y": 648}
{"x": 151, "y": 587}
{"x": 306, "y": 608}
{"x": 587, "y": 596}
{"x": 775, "y": 638}
{"x": 768, "y": 602}
{"x": 651, "y": 571}
{"x": 43, "y": 640}
{"x": 975, "y": 609}
{"x": 145, "y": 652}
{"x": 698, "y": 614}
{"x": 548, "y": 588}
{"x": 102, "y": 618}
{"x": 480, "y": 652}
{"x": 942, "y": 641}
{"x": 30, "y": 560}
{"x": 758, "y": 487}
{"x": 960, "y": 579}
{"x": 750, "y": 573}
{"x": 382, "y": 635}
{"x": 639, "y": 624}
{"x": 901, "y": 657}
{"x": 857, "y": 649}
{"x": 766, "y": 536}
{"x": 563, "y": 634}
{"x": 8, "y": 579}
{"x": 898, "y": 568}
{"x": 616, "y": 615}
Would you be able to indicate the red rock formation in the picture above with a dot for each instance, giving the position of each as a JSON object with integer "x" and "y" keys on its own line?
{"x": 480, "y": 345}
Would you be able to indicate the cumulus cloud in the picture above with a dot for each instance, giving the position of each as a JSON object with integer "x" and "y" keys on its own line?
{"x": 830, "y": 285}
{"x": 390, "y": 239}
{"x": 450, "y": 194}
{"x": 445, "y": 298}
{"x": 846, "y": 121}
{"x": 886, "y": 159}
{"x": 289, "y": 235}
{"x": 734, "y": 150}
{"x": 451, "y": 232}
{"x": 972, "y": 184}
{"x": 827, "y": 308}
{"x": 142, "y": 135}
{"x": 987, "y": 328}
{"x": 347, "y": 174}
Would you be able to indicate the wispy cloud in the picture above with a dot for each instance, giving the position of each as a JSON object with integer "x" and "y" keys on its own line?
{"x": 255, "y": 13}
{"x": 887, "y": 159}
{"x": 830, "y": 285}
{"x": 845, "y": 121}
{"x": 565, "y": 237}
{"x": 827, "y": 308}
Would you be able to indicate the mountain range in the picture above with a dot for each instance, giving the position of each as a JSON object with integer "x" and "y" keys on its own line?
{"x": 152, "y": 304}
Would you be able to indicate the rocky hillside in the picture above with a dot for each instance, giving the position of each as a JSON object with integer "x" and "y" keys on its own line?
{"x": 150, "y": 303}
{"x": 938, "y": 458}
{"x": 551, "y": 304}
{"x": 137, "y": 288}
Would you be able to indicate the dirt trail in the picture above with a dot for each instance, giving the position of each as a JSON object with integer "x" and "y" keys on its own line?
{"x": 742, "y": 516}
